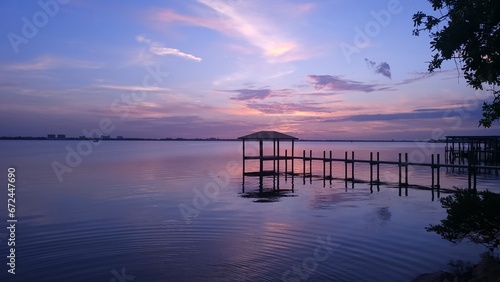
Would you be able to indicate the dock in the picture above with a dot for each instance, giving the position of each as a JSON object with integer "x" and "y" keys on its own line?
{"x": 478, "y": 160}
{"x": 477, "y": 150}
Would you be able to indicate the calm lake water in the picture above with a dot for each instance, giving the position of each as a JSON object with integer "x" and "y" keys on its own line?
{"x": 178, "y": 211}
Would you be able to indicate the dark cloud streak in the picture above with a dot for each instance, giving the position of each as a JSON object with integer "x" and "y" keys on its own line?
{"x": 250, "y": 94}
{"x": 416, "y": 114}
{"x": 337, "y": 83}
{"x": 288, "y": 108}
{"x": 258, "y": 94}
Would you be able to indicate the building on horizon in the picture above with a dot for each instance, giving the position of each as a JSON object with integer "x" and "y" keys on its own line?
{"x": 105, "y": 137}
{"x": 61, "y": 136}
{"x": 51, "y": 136}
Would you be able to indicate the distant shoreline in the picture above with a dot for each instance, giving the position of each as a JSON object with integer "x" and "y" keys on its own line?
{"x": 205, "y": 139}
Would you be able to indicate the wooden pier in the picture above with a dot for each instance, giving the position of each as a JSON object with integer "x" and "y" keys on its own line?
{"x": 349, "y": 162}
{"x": 478, "y": 150}
{"x": 275, "y": 137}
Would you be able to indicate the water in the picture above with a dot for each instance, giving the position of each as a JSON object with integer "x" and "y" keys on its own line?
{"x": 177, "y": 211}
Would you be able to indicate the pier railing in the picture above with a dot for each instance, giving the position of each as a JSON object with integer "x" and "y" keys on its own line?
{"x": 403, "y": 164}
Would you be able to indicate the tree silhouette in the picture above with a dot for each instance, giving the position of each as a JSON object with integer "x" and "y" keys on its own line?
{"x": 467, "y": 30}
{"x": 471, "y": 215}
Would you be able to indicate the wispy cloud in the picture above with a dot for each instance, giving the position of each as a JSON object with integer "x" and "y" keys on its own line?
{"x": 130, "y": 87}
{"x": 157, "y": 49}
{"x": 7, "y": 85}
{"x": 174, "y": 119}
{"x": 254, "y": 71}
{"x": 338, "y": 83}
{"x": 52, "y": 62}
{"x": 382, "y": 68}
{"x": 415, "y": 114}
{"x": 251, "y": 94}
{"x": 289, "y": 107}
{"x": 302, "y": 8}
{"x": 260, "y": 33}
{"x": 257, "y": 94}
{"x": 418, "y": 76}
{"x": 243, "y": 20}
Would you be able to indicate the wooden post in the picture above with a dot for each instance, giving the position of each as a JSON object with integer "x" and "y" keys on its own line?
{"x": 406, "y": 170}
{"x": 432, "y": 169}
{"x": 378, "y": 169}
{"x": 438, "y": 172}
{"x": 352, "y": 166}
{"x": 345, "y": 162}
{"x": 331, "y": 176}
{"x": 469, "y": 172}
{"x": 243, "y": 184}
{"x": 304, "y": 162}
{"x": 459, "y": 153}
{"x": 293, "y": 157}
{"x": 371, "y": 168}
{"x": 274, "y": 155}
{"x": 478, "y": 147}
{"x": 324, "y": 166}
{"x": 310, "y": 166}
{"x": 304, "y": 167}
{"x": 452, "y": 155}
{"x": 446, "y": 151}
{"x": 243, "y": 169}
{"x": 479, "y": 153}
{"x": 261, "y": 164}
{"x": 278, "y": 159}
{"x": 399, "y": 166}
{"x": 474, "y": 168}
{"x": 274, "y": 181}
{"x": 243, "y": 156}
{"x": 286, "y": 164}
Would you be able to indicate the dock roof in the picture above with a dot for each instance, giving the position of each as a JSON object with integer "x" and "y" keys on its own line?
{"x": 268, "y": 135}
{"x": 473, "y": 138}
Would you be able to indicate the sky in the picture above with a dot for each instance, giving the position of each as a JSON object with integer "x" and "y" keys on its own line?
{"x": 226, "y": 68}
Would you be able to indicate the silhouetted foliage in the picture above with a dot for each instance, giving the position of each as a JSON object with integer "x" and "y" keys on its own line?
{"x": 467, "y": 30}
{"x": 471, "y": 215}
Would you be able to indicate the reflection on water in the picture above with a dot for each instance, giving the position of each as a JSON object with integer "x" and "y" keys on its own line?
{"x": 121, "y": 209}
{"x": 471, "y": 215}
{"x": 268, "y": 188}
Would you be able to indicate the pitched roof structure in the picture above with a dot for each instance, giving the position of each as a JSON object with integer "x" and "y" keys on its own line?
{"x": 268, "y": 135}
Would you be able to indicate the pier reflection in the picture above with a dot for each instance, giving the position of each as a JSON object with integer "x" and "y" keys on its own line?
{"x": 267, "y": 188}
